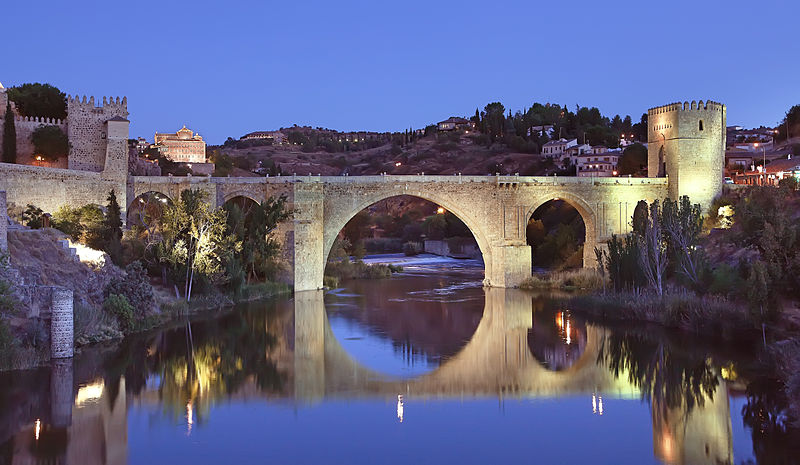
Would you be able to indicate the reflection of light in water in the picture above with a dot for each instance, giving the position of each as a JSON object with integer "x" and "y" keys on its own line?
{"x": 38, "y": 428}
{"x": 189, "y": 418}
{"x": 400, "y": 408}
{"x": 569, "y": 339}
{"x": 89, "y": 393}
{"x": 597, "y": 404}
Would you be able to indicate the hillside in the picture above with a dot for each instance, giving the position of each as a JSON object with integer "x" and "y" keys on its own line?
{"x": 442, "y": 154}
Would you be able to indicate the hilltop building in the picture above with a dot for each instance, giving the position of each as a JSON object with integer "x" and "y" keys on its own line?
{"x": 276, "y": 137}
{"x": 453, "y": 123}
{"x": 183, "y": 146}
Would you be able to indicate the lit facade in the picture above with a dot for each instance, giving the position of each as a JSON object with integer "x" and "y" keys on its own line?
{"x": 183, "y": 146}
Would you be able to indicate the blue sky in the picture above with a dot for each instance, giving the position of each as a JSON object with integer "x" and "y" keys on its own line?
{"x": 227, "y": 68}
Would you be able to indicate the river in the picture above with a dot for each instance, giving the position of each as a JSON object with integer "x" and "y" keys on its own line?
{"x": 425, "y": 367}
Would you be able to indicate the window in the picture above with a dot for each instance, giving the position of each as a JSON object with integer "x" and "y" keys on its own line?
{"x": 701, "y": 125}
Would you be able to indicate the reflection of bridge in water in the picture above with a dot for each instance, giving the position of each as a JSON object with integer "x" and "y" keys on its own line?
{"x": 497, "y": 362}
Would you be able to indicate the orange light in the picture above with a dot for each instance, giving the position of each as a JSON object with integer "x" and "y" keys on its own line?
{"x": 440, "y": 211}
{"x": 614, "y": 173}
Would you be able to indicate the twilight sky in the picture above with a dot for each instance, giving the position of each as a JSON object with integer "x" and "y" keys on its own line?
{"x": 228, "y": 68}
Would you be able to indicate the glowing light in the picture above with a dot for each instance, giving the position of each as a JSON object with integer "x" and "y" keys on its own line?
{"x": 37, "y": 429}
{"x": 89, "y": 393}
{"x": 614, "y": 173}
{"x": 88, "y": 254}
{"x": 398, "y": 163}
{"x": 594, "y": 403}
{"x": 440, "y": 211}
{"x": 400, "y": 408}
{"x": 600, "y": 405}
{"x": 569, "y": 338}
{"x": 189, "y": 417}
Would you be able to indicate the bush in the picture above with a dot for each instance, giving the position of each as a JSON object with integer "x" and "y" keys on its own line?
{"x": 8, "y": 345}
{"x": 32, "y": 217}
{"x": 50, "y": 142}
{"x": 411, "y": 248}
{"x": 121, "y": 309}
{"x": 135, "y": 287}
{"x": 383, "y": 245}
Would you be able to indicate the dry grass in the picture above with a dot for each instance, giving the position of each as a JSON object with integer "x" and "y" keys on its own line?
{"x": 583, "y": 279}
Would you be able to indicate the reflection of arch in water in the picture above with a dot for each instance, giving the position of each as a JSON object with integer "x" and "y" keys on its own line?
{"x": 496, "y": 359}
{"x": 557, "y": 340}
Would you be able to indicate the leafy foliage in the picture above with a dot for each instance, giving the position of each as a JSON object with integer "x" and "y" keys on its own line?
{"x": 50, "y": 142}
{"x": 9, "y": 137}
{"x": 135, "y": 287}
{"x": 35, "y": 99}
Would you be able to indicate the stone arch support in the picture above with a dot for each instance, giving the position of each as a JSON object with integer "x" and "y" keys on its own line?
{"x": 587, "y": 213}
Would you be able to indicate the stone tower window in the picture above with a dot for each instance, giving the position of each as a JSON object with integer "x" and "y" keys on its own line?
{"x": 701, "y": 125}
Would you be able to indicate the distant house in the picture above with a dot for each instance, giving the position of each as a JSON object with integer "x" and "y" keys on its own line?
{"x": 597, "y": 164}
{"x": 772, "y": 175}
{"x": 183, "y": 146}
{"x": 572, "y": 153}
{"x": 739, "y": 159}
{"x": 555, "y": 148}
{"x": 277, "y": 137}
{"x": 540, "y": 130}
{"x": 454, "y": 122}
{"x": 599, "y": 149}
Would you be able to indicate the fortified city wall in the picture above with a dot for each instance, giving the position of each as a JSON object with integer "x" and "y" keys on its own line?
{"x": 97, "y": 162}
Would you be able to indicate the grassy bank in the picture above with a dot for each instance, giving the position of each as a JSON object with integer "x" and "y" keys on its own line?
{"x": 711, "y": 316}
{"x": 569, "y": 280}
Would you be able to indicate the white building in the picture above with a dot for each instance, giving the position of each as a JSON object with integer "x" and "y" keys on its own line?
{"x": 597, "y": 164}
{"x": 555, "y": 148}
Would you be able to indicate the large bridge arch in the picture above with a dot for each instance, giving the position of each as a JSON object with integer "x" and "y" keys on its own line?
{"x": 336, "y": 222}
{"x": 584, "y": 209}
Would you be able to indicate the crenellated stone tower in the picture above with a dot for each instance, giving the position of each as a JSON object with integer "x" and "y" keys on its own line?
{"x": 686, "y": 142}
{"x": 97, "y": 142}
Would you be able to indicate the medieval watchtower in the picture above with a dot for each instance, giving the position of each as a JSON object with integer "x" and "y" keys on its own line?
{"x": 686, "y": 142}
{"x": 98, "y": 135}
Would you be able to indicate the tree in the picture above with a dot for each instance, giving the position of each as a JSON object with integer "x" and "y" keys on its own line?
{"x": 9, "y": 137}
{"x": 32, "y": 217}
{"x": 112, "y": 229}
{"x": 633, "y": 160}
{"x": 195, "y": 239}
{"x": 493, "y": 119}
{"x": 652, "y": 253}
{"x": 50, "y": 142}
{"x": 254, "y": 229}
{"x": 790, "y": 122}
{"x": 682, "y": 222}
{"x": 639, "y": 220}
{"x": 35, "y": 99}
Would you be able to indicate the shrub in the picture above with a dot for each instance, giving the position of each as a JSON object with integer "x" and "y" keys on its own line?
{"x": 411, "y": 248}
{"x": 32, "y": 217}
{"x": 121, "y": 309}
{"x": 8, "y": 345}
{"x": 135, "y": 287}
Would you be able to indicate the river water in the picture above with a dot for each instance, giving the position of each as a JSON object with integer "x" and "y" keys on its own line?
{"x": 426, "y": 367}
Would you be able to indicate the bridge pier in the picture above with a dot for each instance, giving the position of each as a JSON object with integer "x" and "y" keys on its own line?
{"x": 507, "y": 266}
{"x": 310, "y": 322}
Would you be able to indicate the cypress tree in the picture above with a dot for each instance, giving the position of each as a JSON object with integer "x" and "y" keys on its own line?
{"x": 9, "y": 137}
{"x": 112, "y": 228}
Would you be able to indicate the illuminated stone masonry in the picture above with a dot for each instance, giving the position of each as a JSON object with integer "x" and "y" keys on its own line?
{"x": 685, "y": 157}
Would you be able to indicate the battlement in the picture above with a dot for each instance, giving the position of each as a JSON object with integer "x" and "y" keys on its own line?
{"x": 709, "y": 106}
{"x": 38, "y": 119}
{"x": 111, "y": 104}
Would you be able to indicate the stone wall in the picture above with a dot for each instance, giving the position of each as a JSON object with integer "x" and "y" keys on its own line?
{"x": 3, "y": 222}
{"x": 51, "y": 188}
{"x": 24, "y": 127}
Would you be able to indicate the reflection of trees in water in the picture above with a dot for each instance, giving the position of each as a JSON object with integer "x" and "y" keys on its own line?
{"x": 775, "y": 440}
{"x": 664, "y": 376}
{"x": 557, "y": 339}
{"x": 195, "y": 365}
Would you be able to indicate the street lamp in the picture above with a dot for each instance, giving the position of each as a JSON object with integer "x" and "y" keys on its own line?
{"x": 764, "y": 162}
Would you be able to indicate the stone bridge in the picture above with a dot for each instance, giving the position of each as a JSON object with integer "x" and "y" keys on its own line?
{"x": 495, "y": 208}
{"x": 497, "y": 362}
